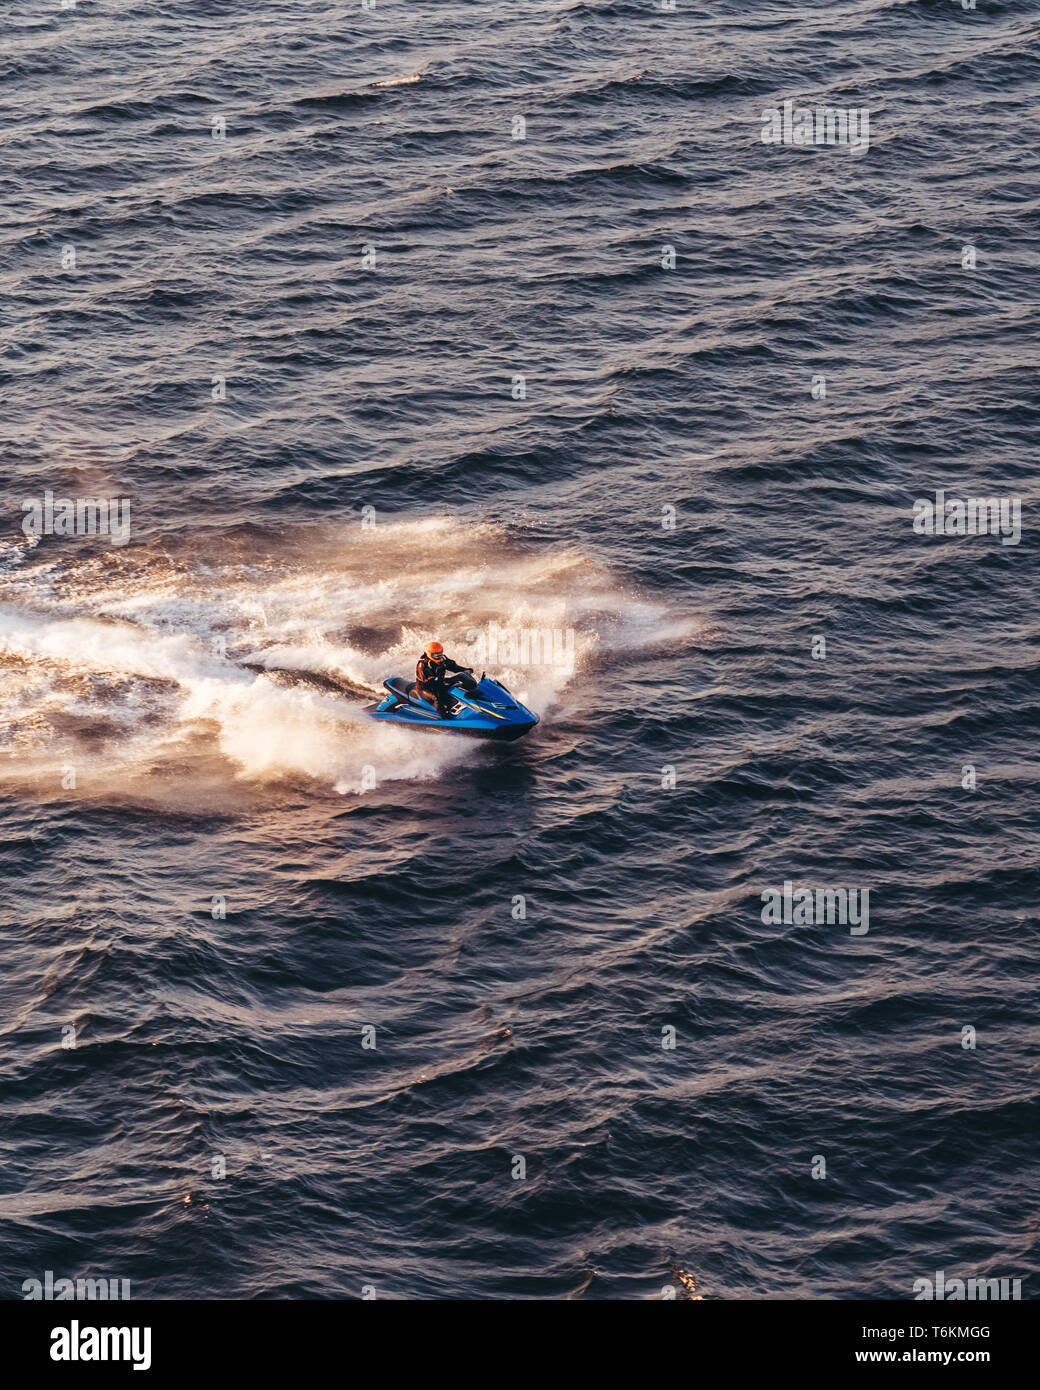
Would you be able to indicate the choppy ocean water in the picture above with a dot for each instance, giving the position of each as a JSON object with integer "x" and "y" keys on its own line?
{"x": 368, "y": 369}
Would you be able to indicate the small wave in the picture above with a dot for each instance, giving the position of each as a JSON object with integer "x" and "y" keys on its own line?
{"x": 399, "y": 81}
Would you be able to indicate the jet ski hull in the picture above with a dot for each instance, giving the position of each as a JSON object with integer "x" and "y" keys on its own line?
{"x": 488, "y": 711}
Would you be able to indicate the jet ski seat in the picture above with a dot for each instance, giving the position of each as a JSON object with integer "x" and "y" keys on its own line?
{"x": 400, "y": 686}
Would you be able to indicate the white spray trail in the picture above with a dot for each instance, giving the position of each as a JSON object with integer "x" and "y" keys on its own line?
{"x": 270, "y": 654}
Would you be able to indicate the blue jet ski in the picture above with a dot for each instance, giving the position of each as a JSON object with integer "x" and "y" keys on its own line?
{"x": 482, "y": 709}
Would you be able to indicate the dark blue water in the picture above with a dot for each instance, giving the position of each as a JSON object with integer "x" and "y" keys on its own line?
{"x": 219, "y": 872}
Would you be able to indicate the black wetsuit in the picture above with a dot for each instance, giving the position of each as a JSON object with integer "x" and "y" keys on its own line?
{"x": 431, "y": 682}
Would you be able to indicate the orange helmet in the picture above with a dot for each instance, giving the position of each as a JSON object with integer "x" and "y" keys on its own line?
{"x": 434, "y": 650}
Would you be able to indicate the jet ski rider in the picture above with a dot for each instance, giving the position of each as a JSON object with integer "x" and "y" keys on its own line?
{"x": 431, "y": 677}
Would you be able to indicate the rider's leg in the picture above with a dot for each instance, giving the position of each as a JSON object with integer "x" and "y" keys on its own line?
{"x": 437, "y": 697}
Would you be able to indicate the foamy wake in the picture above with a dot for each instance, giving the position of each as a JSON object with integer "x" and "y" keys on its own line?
{"x": 267, "y": 655}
